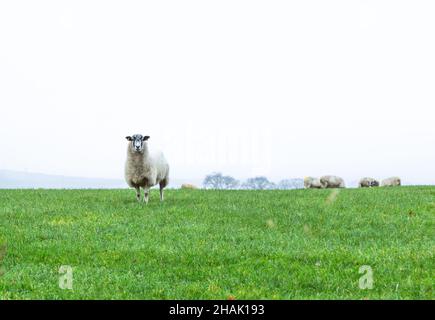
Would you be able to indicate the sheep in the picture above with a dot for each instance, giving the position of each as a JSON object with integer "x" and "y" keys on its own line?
{"x": 143, "y": 169}
{"x": 368, "y": 182}
{"x": 332, "y": 182}
{"x": 188, "y": 186}
{"x": 391, "y": 182}
{"x": 310, "y": 183}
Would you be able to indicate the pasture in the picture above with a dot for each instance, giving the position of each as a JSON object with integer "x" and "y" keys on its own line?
{"x": 202, "y": 244}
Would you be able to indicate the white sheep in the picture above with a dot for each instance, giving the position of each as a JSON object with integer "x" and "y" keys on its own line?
{"x": 368, "y": 182}
{"x": 332, "y": 182}
{"x": 310, "y": 182}
{"x": 391, "y": 182}
{"x": 143, "y": 169}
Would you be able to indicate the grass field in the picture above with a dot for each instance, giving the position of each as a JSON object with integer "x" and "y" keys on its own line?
{"x": 296, "y": 244}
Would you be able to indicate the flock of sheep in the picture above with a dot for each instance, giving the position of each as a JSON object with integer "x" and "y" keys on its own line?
{"x": 145, "y": 170}
{"x": 337, "y": 182}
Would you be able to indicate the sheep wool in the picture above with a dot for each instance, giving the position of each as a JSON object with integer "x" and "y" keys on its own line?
{"x": 310, "y": 182}
{"x": 332, "y": 182}
{"x": 144, "y": 169}
{"x": 188, "y": 186}
{"x": 368, "y": 182}
{"x": 391, "y": 182}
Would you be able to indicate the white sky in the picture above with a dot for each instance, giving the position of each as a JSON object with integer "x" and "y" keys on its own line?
{"x": 277, "y": 88}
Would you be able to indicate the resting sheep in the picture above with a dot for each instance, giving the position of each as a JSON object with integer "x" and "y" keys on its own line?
{"x": 332, "y": 182}
{"x": 391, "y": 182}
{"x": 368, "y": 182}
{"x": 310, "y": 183}
{"x": 143, "y": 169}
{"x": 188, "y": 186}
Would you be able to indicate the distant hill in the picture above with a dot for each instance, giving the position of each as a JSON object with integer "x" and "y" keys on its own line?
{"x": 18, "y": 179}
{"x": 30, "y": 180}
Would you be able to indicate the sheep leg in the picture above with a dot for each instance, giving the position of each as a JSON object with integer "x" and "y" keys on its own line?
{"x": 161, "y": 193}
{"x": 162, "y": 184}
{"x": 138, "y": 194}
{"x": 146, "y": 195}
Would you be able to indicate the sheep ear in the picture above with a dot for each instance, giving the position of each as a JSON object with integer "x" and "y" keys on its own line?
{"x": 129, "y": 138}
{"x": 145, "y": 138}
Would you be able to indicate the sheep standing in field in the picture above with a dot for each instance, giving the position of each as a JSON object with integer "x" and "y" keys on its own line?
{"x": 391, "y": 182}
{"x": 310, "y": 183}
{"x": 332, "y": 182}
{"x": 143, "y": 169}
{"x": 368, "y": 182}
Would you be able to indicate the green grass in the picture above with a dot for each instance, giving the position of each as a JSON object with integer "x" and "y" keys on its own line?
{"x": 218, "y": 244}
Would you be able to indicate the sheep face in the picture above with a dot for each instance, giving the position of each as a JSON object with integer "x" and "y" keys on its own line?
{"x": 374, "y": 183}
{"x": 137, "y": 142}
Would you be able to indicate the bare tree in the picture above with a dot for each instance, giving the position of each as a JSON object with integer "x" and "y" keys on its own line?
{"x": 291, "y": 184}
{"x": 218, "y": 181}
{"x": 230, "y": 182}
{"x": 213, "y": 181}
{"x": 258, "y": 183}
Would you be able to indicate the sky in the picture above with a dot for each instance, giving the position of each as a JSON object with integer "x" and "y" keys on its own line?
{"x": 277, "y": 88}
